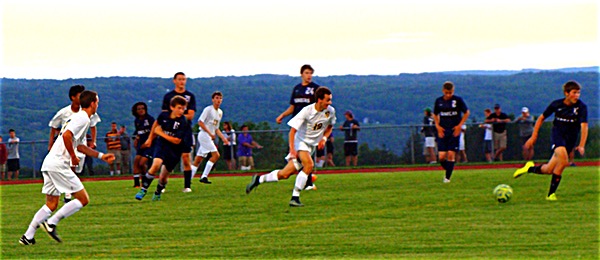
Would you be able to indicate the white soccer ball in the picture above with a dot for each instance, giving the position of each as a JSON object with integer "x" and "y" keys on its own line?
{"x": 503, "y": 193}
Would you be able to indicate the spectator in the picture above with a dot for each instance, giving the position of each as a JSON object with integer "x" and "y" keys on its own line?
{"x": 113, "y": 145}
{"x": 487, "y": 137}
{"x": 525, "y": 123}
{"x": 125, "y": 150}
{"x": 351, "y": 128}
{"x": 3, "y": 158}
{"x": 229, "y": 152}
{"x": 429, "y": 131}
{"x": 461, "y": 156}
{"x": 12, "y": 163}
{"x": 329, "y": 150}
{"x": 245, "y": 149}
{"x": 498, "y": 120}
{"x": 89, "y": 161}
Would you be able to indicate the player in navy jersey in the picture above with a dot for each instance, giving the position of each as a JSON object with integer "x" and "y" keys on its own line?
{"x": 570, "y": 119}
{"x": 143, "y": 125}
{"x": 450, "y": 112}
{"x": 172, "y": 129}
{"x": 302, "y": 95}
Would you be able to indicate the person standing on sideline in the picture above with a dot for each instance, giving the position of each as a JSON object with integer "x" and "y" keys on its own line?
{"x": 309, "y": 131}
{"x": 209, "y": 122}
{"x": 113, "y": 145}
{"x": 329, "y": 150}
{"x": 179, "y": 80}
{"x": 88, "y": 161}
{"x": 143, "y": 148}
{"x": 525, "y": 123}
{"x": 125, "y": 150}
{"x": 13, "y": 162}
{"x": 351, "y": 128}
{"x": 3, "y": 159}
{"x": 461, "y": 156}
{"x": 59, "y": 173}
{"x": 450, "y": 112}
{"x": 245, "y": 149}
{"x": 487, "y": 137}
{"x": 429, "y": 131}
{"x": 498, "y": 119}
{"x": 570, "y": 119}
{"x": 229, "y": 152}
{"x": 303, "y": 94}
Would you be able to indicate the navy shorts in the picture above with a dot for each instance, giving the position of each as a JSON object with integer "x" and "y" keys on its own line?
{"x": 351, "y": 149}
{"x": 561, "y": 138}
{"x": 449, "y": 142}
{"x": 169, "y": 157}
{"x": 145, "y": 152}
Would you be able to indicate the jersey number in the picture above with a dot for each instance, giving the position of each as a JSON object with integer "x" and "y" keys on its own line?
{"x": 310, "y": 91}
{"x": 318, "y": 126}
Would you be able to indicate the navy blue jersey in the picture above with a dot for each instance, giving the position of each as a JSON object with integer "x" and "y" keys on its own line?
{"x": 191, "y": 100}
{"x": 143, "y": 127}
{"x": 303, "y": 96}
{"x": 350, "y": 135}
{"x": 567, "y": 118}
{"x": 178, "y": 127}
{"x": 450, "y": 111}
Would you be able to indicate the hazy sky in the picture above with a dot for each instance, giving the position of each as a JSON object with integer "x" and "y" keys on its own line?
{"x": 74, "y": 39}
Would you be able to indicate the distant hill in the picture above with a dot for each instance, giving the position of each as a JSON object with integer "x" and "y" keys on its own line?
{"x": 512, "y": 72}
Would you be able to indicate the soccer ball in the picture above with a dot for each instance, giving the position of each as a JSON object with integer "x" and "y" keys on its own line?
{"x": 503, "y": 193}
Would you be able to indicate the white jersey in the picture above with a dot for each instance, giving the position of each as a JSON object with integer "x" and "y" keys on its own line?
{"x": 488, "y": 132}
{"x": 311, "y": 124}
{"x": 58, "y": 159}
{"x": 62, "y": 115}
{"x": 211, "y": 117}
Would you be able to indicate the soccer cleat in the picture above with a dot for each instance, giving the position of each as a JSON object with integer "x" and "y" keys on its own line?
{"x": 186, "y": 190}
{"x": 164, "y": 190}
{"x": 311, "y": 187}
{"x": 519, "y": 172}
{"x": 296, "y": 203}
{"x": 140, "y": 195}
{"x": 156, "y": 197}
{"x": 205, "y": 180}
{"x": 253, "y": 184}
{"x": 552, "y": 197}
{"x": 51, "y": 230}
{"x": 26, "y": 242}
{"x": 446, "y": 180}
{"x": 136, "y": 186}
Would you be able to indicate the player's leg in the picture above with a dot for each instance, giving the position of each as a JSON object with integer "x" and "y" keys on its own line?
{"x": 52, "y": 198}
{"x": 302, "y": 177}
{"x": 162, "y": 181}
{"x": 137, "y": 170}
{"x": 149, "y": 176}
{"x": 292, "y": 167}
{"x": 214, "y": 156}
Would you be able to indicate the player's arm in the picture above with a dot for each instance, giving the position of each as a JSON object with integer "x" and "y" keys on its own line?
{"x": 536, "y": 130}
{"x": 109, "y": 157}
{"x": 205, "y": 129}
{"x": 584, "y": 134}
{"x": 67, "y": 137}
{"x": 158, "y": 130}
{"x": 53, "y": 133}
{"x": 326, "y": 135}
{"x": 440, "y": 129}
{"x": 291, "y": 141}
{"x": 225, "y": 141}
{"x": 94, "y": 135}
{"x": 285, "y": 113}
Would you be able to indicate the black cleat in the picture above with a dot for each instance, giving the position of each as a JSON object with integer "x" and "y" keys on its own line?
{"x": 253, "y": 184}
{"x": 205, "y": 180}
{"x": 295, "y": 202}
{"x": 309, "y": 181}
{"x": 51, "y": 230}
{"x": 26, "y": 242}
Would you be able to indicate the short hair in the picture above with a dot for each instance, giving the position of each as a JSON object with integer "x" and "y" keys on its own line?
{"x": 11, "y": 130}
{"x": 244, "y": 126}
{"x": 216, "y": 93}
{"x": 448, "y": 85}
{"x": 177, "y": 74}
{"x": 321, "y": 92}
{"x": 113, "y": 123}
{"x": 87, "y": 98}
{"x": 571, "y": 85}
{"x": 74, "y": 90}
{"x": 306, "y": 67}
{"x": 178, "y": 100}
{"x": 134, "y": 108}
{"x": 488, "y": 110}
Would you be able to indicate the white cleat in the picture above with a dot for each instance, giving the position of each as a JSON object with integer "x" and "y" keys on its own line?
{"x": 186, "y": 190}
{"x": 446, "y": 180}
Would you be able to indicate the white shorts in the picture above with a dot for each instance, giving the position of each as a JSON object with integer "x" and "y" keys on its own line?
{"x": 301, "y": 146}
{"x": 430, "y": 141}
{"x": 461, "y": 143}
{"x": 205, "y": 145}
{"x": 56, "y": 183}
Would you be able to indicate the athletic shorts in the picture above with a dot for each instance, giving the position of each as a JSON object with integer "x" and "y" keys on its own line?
{"x": 117, "y": 154}
{"x": 145, "y": 152}
{"x": 169, "y": 157}
{"x": 559, "y": 138}
{"x": 449, "y": 142}
{"x": 13, "y": 165}
{"x": 56, "y": 183}
{"x": 321, "y": 152}
{"x": 430, "y": 141}
{"x": 487, "y": 146}
{"x": 229, "y": 152}
{"x": 329, "y": 147}
{"x": 461, "y": 142}
{"x": 351, "y": 149}
{"x": 500, "y": 140}
{"x": 205, "y": 145}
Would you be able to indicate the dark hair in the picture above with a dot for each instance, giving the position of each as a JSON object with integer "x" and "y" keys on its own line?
{"x": 11, "y": 130}
{"x": 571, "y": 85}
{"x": 448, "y": 85}
{"x": 134, "y": 108}
{"x": 321, "y": 92}
{"x": 178, "y": 100}
{"x": 488, "y": 110}
{"x": 87, "y": 98}
{"x": 217, "y": 93}
{"x": 74, "y": 90}
{"x": 243, "y": 126}
{"x": 177, "y": 74}
{"x": 306, "y": 67}
{"x": 226, "y": 123}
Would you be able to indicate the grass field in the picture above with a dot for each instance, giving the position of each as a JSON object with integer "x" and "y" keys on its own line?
{"x": 370, "y": 215}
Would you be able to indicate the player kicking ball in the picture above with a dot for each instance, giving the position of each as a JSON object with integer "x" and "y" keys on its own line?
{"x": 309, "y": 128}
{"x": 172, "y": 128}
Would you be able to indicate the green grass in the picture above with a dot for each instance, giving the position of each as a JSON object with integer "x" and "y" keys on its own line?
{"x": 374, "y": 215}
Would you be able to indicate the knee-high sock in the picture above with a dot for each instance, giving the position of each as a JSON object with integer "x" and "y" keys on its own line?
{"x": 443, "y": 163}
{"x": 449, "y": 169}
{"x": 554, "y": 183}
{"x": 160, "y": 187}
{"x": 187, "y": 179}
{"x": 535, "y": 169}
{"x": 300, "y": 183}
{"x": 136, "y": 179}
{"x": 269, "y": 177}
{"x": 194, "y": 170}
{"x": 147, "y": 180}
{"x": 66, "y": 211}
{"x": 207, "y": 169}
{"x": 43, "y": 213}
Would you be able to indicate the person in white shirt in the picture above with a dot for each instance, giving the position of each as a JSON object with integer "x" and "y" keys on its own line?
{"x": 58, "y": 170}
{"x": 461, "y": 156}
{"x": 487, "y": 137}
{"x": 310, "y": 129}
{"x": 209, "y": 128}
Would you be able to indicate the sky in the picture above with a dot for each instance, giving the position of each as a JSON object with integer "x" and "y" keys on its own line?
{"x": 81, "y": 39}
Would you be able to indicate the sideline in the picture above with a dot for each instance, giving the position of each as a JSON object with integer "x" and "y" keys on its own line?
{"x": 433, "y": 167}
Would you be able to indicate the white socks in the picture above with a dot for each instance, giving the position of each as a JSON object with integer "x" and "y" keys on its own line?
{"x": 207, "y": 169}
{"x": 194, "y": 170}
{"x": 300, "y": 183}
{"x": 65, "y": 211}
{"x": 269, "y": 177}
{"x": 39, "y": 217}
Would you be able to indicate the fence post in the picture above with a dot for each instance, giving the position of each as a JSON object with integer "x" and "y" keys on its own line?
{"x": 33, "y": 158}
{"x": 412, "y": 146}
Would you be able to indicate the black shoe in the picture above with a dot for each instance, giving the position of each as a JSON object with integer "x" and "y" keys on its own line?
{"x": 51, "y": 230}
{"x": 253, "y": 184}
{"x": 205, "y": 180}
{"x": 295, "y": 202}
{"x": 26, "y": 242}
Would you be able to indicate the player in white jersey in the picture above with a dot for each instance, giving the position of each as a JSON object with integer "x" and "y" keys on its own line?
{"x": 58, "y": 170}
{"x": 309, "y": 128}
{"x": 61, "y": 117}
{"x": 209, "y": 122}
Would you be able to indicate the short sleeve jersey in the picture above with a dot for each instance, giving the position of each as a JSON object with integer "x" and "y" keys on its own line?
{"x": 64, "y": 113}
{"x": 450, "y": 111}
{"x": 303, "y": 96}
{"x": 311, "y": 124}
{"x": 189, "y": 97}
{"x": 211, "y": 118}
{"x": 499, "y": 127}
{"x": 350, "y": 135}
{"x": 13, "y": 148}
{"x": 567, "y": 118}
{"x": 59, "y": 159}
{"x": 143, "y": 126}
{"x": 177, "y": 127}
